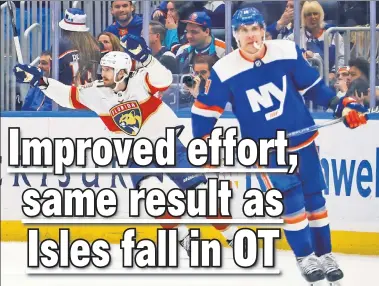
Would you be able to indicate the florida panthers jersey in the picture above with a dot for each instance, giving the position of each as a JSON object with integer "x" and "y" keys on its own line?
{"x": 266, "y": 95}
{"x": 134, "y": 112}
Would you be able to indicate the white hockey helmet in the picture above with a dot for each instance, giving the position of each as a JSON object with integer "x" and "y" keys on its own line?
{"x": 118, "y": 61}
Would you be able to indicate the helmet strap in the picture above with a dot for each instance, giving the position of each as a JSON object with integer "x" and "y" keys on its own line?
{"x": 118, "y": 82}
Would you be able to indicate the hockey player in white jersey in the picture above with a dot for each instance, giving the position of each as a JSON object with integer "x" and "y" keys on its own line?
{"x": 266, "y": 83}
{"x": 124, "y": 101}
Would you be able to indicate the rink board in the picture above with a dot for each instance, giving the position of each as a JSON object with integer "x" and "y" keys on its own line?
{"x": 350, "y": 159}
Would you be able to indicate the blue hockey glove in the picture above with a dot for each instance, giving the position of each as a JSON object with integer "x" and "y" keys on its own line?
{"x": 136, "y": 48}
{"x": 352, "y": 111}
{"x": 28, "y": 74}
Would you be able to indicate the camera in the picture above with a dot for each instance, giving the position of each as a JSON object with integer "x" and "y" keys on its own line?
{"x": 189, "y": 81}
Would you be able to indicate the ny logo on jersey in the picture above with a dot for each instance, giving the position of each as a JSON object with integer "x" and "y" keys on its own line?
{"x": 263, "y": 98}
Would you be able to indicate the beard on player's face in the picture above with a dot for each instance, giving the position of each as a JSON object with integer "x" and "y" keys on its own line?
{"x": 108, "y": 78}
{"x": 107, "y": 75}
{"x": 108, "y": 82}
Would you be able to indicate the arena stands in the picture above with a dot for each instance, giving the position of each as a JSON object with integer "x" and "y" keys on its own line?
{"x": 349, "y": 40}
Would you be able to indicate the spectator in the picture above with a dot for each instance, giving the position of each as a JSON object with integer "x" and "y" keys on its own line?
{"x": 271, "y": 10}
{"x": 215, "y": 10}
{"x": 35, "y": 99}
{"x": 167, "y": 13}
{"x": 331, "y": 11}
{"x": 79, "y": 50}
{"x": 156, "y": 36}
{"x": 353, "y": 13}
{"x": 201, "y": 72}
{"x": 312, "y": 36}
{"x": 359, "y": 89}
{"x": 282, "y": 28}
{"x": 200, "y": 41}
{"x": 125, "y": 19}
{"x": 110, "y": 42}
{"x": 359, "y": 76}
{"x": 359, "y": 68}
{"x": 343, "y": 81}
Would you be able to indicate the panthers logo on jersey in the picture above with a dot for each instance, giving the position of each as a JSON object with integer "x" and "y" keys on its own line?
{"x": 127, "y": 116}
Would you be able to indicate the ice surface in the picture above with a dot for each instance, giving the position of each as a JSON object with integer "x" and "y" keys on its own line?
{"x": 359, "y": 270}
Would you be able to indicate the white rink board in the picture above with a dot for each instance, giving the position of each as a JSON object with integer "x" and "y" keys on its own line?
{"x": 14, "y": 266}
{"x": 352, "y": 155}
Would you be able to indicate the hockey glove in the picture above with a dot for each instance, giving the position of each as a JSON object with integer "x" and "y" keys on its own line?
{"x": 352, "y": 111}
{"x": 136, "y": 48}
{"x": 28, "y": 74}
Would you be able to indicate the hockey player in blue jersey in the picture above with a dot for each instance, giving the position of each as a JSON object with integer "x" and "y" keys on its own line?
{"x": 266, "y": 82}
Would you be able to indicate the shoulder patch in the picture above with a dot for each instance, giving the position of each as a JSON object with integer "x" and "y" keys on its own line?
{"x": 100, "y": 83}
{"x": 96, "y": 83}
{"x": 87, "y": 85}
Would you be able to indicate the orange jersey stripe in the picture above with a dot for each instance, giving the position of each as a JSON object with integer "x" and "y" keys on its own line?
{"x": 266, "y": 181}
{"x": 347, "y": 100}
{"x": 296, "y": 219}
{"x": 204, "y": 106}
{"x": 316, "y": 216}
{"x": 66, "y": 53}
{"x": 305, "y": 143}
{"x": 220, "y": 43}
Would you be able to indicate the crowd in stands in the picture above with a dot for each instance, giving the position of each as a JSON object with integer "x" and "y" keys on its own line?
{"x": 186, "y": 38}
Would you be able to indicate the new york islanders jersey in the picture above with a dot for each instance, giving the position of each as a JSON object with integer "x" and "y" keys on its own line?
{"x": 134, "y": 112}
{"x": 134, "y": 27}
{"x": 68, "y": 62}
{"x": 266, "y": 95}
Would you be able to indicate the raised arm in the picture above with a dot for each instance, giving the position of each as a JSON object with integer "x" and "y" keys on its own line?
{"x": 65, "y": 95}
{"x": 158, "y": 77}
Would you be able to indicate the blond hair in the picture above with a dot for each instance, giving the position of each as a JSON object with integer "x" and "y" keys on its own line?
{"x": 312, "y": 6}
{"x": 361, "y": 43}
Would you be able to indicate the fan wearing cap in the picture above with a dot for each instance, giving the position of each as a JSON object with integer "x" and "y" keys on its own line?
{"x": 79, "y": 53}
{"x": 200, "y": 41}
{"x": 125, "y": 19}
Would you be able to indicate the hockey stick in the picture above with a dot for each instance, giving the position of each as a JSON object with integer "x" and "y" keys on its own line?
{"x": 328, "y": 123}
{"x": 15, "y": 33}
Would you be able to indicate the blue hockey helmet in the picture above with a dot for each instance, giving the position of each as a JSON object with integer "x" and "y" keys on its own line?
{"x": 247, "y": 16}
